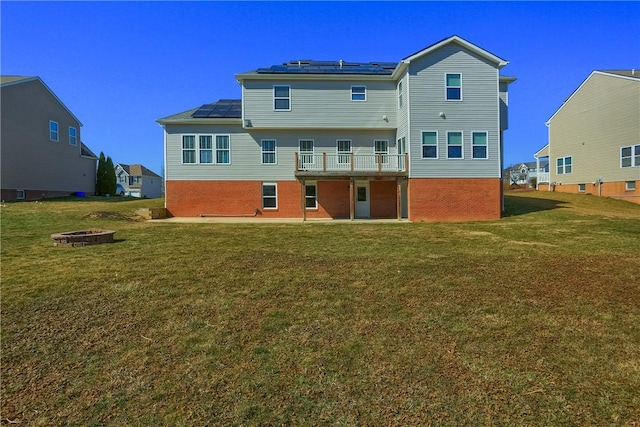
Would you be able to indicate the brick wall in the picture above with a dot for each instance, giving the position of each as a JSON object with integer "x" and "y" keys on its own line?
{"x": 454, "y": 199}
{"x": 383, "y": 195}
{"x": 614, "y": 189}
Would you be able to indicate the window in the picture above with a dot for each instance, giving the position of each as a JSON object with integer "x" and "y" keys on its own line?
{"x": 269, "y": 196}
{"x": 402, "y": 147}
{"x": 136, "y": 179}
{"x": 344, "y": 150}
{"x": 400, "y": 94}
{"x": 73, "y": 139}
{"x": 479, "y": 145}
{"x": 269, "y": 151}
{"x": 188, "y": 149}
{"x": 20, "y": 194}
{"x": 563, "y": 165}
{"x": 53, "y": 131}
{"x": 381, "y": 146}
{"x": 282, "y": 98}
{"x": 311, "y": 196}
{"x": 122, "y": 178}
{"x": 454, "y": 87}
{"x": 582, "y": 188}
{"x": 306, "y": 152}
{"x": 206, "y": 149}
{"x": 630, "y": 156}
{"x": 630, "y": 185}
{"x": 222, "y": 150}
{"x": 358, "y": 93}
{"x": 429, "y": 145}
{"x": 454, "y": 145}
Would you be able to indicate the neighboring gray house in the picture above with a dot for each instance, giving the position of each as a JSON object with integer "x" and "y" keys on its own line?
{"x": 594, "y": 138}
{"x": 138, "y": 181}
{"x": 42, "y": 154}
{"x": 419, "y": 139}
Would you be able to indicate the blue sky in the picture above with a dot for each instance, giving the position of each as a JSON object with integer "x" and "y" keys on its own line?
{"x": 119, "y": 66}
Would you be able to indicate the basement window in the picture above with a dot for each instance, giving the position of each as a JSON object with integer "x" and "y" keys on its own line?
{"x": 582, "y": 188}
{"x": 630, "y": 186}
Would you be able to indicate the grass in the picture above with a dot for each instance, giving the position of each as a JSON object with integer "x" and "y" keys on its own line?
{"x": 530, "y": 320}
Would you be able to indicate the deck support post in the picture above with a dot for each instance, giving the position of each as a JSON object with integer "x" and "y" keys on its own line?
{"x": 352, "y": 200}
{"x": 399, "y": 198}
{"x": 304, "y": 199}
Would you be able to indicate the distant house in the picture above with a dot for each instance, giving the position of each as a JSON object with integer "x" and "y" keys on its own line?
{"x": 42, "y": 152}
{"x": 138, "y": 181}
{"x": 594, "y": 138}
{"x": 527, "y": 173}
{"x": 420, "y": 138}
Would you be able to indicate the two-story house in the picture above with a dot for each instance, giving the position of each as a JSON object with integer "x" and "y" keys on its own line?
{"x": 42, "y": 150}
{"x": 138, "y": 181}
{"x": 419, "y": 139}
{"x": 594, "y": 138}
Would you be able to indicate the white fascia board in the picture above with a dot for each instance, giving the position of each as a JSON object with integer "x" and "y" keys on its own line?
{"x": 541, "y": 152}
{"x": 307, "y": 77}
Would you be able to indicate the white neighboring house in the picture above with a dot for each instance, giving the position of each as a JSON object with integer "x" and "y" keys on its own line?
{"x": 525, "y": 173}
{"x": 138, "y": 181}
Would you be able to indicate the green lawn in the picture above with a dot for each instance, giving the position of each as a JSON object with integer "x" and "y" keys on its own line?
{"x": 530, "y": 320}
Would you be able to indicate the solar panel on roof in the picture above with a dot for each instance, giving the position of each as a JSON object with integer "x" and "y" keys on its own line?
{"x": 224, "y": 108}
{"x": 330, "y": 67}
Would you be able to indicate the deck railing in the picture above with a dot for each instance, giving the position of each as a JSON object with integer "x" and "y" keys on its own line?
{"x": 543, "y": 177}
{"x": 350, "y": 162}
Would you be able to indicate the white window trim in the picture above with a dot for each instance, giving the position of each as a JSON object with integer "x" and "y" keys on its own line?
{"x": 446, "y": 98}
{"x": 400, "y": 89}
{"x": 365, "y": 93}
{"x": 385, "y": 154}
{"x": 57, "y": 131}
{"x": 281, "y": 97}
{"x": 314, "y": 184}
{"x": 344, "y": 153}
{"x": 583, "y": 189}
{"x": 308, "y": 153}
{"x": 632, "y": 156}
{"x": 75, "y": 136}
{"x": 214, "y": 149}
{"x": 195, "y": 149}
{"x": 486, "y": 133}
{"x": 199, "y": 149}
{"x": 274, "y": 152}
{"x": 423, "y": 145}
{"x": 564, "y": 165}
{"x": 461, "y": 146}
{"x": 627, "y": 185}
{"x": 275, "y": 184}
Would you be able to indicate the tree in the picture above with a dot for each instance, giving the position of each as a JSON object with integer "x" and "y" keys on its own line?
{"x": 110, "y": 177}
{"x": 100, "y": 175}
{"x": 105, "y": 176}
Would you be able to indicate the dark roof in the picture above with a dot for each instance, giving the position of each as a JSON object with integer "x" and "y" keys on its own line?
{"x": 224, "y": 108}
{"x": 85, "y": 151}
{"x": 309, "y": 66}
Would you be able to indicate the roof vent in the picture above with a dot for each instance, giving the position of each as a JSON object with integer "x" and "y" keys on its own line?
{"x": 341, "y": 62}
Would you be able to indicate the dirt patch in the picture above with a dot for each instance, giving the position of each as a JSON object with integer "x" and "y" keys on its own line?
{"x": 111, "y": 215}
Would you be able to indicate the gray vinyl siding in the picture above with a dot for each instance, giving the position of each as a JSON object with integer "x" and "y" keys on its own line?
{"x": 477, "y": 112}
{"x": 246, "y": 150}
{"x": 602, "y": 116}
{"x": 324, "y": 104}
{"x": 30, "y": 160}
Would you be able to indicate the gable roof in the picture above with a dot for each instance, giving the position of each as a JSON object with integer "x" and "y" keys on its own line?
{"x": 461, "y": 42}
{"x": 229, "y": 110}
{"x": 15, "y": 80}
{"x": 620, "y": 74}
{"x": 138, "y": 170}
{"x": 86, "y": 152}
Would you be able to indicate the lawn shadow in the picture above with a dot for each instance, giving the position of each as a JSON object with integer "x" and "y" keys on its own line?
{"x": 514, "y": 206}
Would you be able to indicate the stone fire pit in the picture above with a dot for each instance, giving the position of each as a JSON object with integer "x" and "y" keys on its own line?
{"x": 82, "y": 238}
